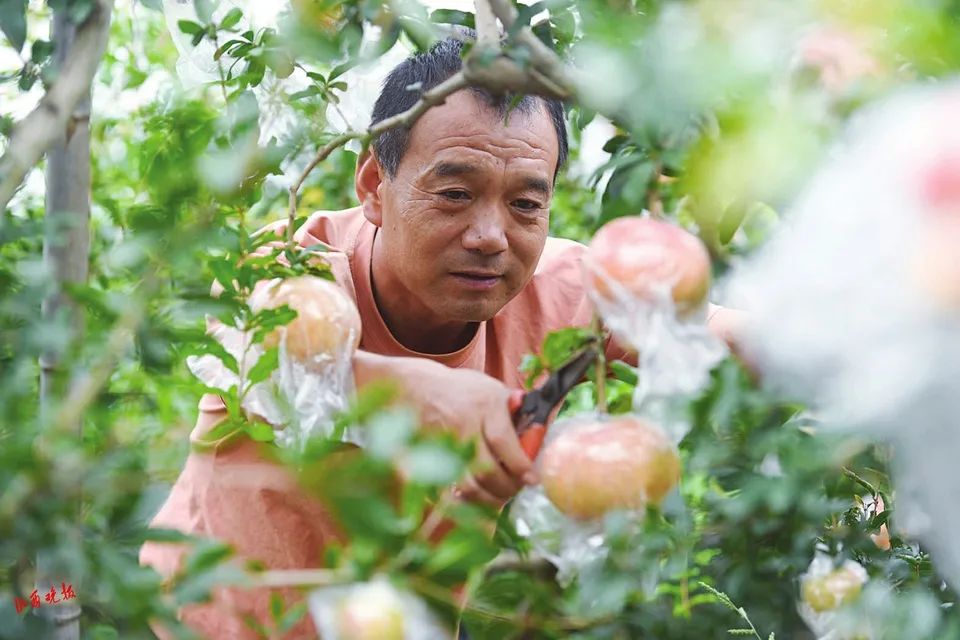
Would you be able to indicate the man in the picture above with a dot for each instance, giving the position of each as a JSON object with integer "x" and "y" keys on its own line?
{"x": 454, "y": 276}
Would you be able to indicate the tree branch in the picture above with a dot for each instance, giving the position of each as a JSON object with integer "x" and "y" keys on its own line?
{"x": 543, "y": 59}
{"x": 47, "y": 123}
{"x": 488, "y": 31}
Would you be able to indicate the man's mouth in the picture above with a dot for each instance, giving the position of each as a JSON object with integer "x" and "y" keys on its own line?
{"x": 477, "y": 279}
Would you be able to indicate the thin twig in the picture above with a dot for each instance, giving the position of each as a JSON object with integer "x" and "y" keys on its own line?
{"x": 850, "y": 473}
{"x": 300, "y": 578}
{"x": 601, "y": 371}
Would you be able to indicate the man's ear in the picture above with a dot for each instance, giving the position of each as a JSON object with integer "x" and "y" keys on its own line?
{"x": 368, "y": 179}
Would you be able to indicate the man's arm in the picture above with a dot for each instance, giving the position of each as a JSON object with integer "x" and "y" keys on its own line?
{"x": 468, "y": 402}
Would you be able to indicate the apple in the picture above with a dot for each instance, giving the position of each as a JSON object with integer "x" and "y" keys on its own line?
{"x": 644, "y": 257}
{"x": 622, "y": 462}
{"x": 327, "y": 321}
{"x": 834, "y": 589}
{"x": 372, "y": 613}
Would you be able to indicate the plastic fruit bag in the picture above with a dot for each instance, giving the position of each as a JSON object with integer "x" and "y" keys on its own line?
{"x": 374, "y": 610}
{"x": 591, "y": 465}
{"x": 314, "y": 375}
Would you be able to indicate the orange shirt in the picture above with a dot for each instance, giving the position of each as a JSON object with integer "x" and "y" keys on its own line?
{"x": 233, "y": 494}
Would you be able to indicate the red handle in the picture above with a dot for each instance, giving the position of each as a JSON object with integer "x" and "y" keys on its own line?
{"x": 532, "y": 438}
{"x": 515, "y": 401}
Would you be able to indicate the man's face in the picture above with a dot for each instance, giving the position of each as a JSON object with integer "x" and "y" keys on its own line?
{"x": 465, "y": 219}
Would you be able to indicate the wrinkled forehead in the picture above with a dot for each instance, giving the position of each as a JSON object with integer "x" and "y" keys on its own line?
{"x": 467, "y": 119}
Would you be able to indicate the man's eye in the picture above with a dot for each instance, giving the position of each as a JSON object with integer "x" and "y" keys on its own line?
{"x": 526, "y": 205}
{"x": 455, "y": 194}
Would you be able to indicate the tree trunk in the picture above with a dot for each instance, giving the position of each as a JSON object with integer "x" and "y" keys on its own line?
{"x": 65, "y": 252}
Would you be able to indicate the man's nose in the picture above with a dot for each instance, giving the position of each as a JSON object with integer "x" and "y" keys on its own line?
{"x": 486, "y": 232}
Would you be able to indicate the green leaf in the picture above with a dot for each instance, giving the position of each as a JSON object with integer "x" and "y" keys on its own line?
{"x": 461, "y": 551}
{"x": 191, "y": 28}
{"x": 293, "y": 615}
{"x": 730, "y": 221}
{"x": 615, "y": 143}
{"x": 623, "y": 372}
{"x": 13, "y": 21}
{"x": 269, "y": 319}
{"x": 165, "y": 535}
{"x": 207, "y": 554}
{"x": 261, "y": 432}
{"x": 559, "y": 346}
{"x": 432, "y": 464}
{"x": 341, "y": 69}
{"x": 28, "y": 78}
{"x": 214, "y": 348}
{"x": 453, "y": 16}
{"x": 232, "y": 18}
{"x": 276, "y": 606}
{"x": 205, "y": 9}
{"x": 40, "y": 51}
{"x": 389, "y": 431}
{"x": 224, "y": 47}
{"x": 265, "y": 366}
{"x": 531, "y": 366}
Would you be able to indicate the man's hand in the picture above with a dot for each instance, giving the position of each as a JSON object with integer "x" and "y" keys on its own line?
{"x": 469, "y": 403}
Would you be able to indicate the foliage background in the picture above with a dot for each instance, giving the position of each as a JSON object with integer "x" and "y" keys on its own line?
{"x": 179, "y": 182}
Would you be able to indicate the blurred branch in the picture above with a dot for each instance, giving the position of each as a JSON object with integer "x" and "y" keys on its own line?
{"x": 300, "y": 578}
{"x": 488, "y": 31}
{"x": 325, "y": 151}
{"x": 547, "y": 65}
{"x": 512, "y": 561}
{"x": 85, "y": 391}
{"x": 49, "y": 121}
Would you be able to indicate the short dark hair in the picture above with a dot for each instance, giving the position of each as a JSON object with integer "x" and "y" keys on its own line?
{"x": 425, "y": 71}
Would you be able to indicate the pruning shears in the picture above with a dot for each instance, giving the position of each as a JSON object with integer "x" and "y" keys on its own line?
{"x": 531, "y": 410}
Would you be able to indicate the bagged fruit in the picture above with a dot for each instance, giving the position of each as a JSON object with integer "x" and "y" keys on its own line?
{"x": 825, "y": 589}
{"x": 591, "y": 465}
{"x": 314, "y": 374}
{"x": 649, "y": 280}
{"x": 374, "y": 610}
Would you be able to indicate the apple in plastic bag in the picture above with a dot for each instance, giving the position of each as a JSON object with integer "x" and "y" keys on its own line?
{"x": 641, "y": 256}
{"x": 835, "y": 589}
{"x": 327, "y": 321}
{"x": 623, "y": 462}
{"x": 371, "y": 614}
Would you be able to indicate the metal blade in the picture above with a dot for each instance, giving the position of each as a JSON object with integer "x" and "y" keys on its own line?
{"x": 559, "y": 384}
